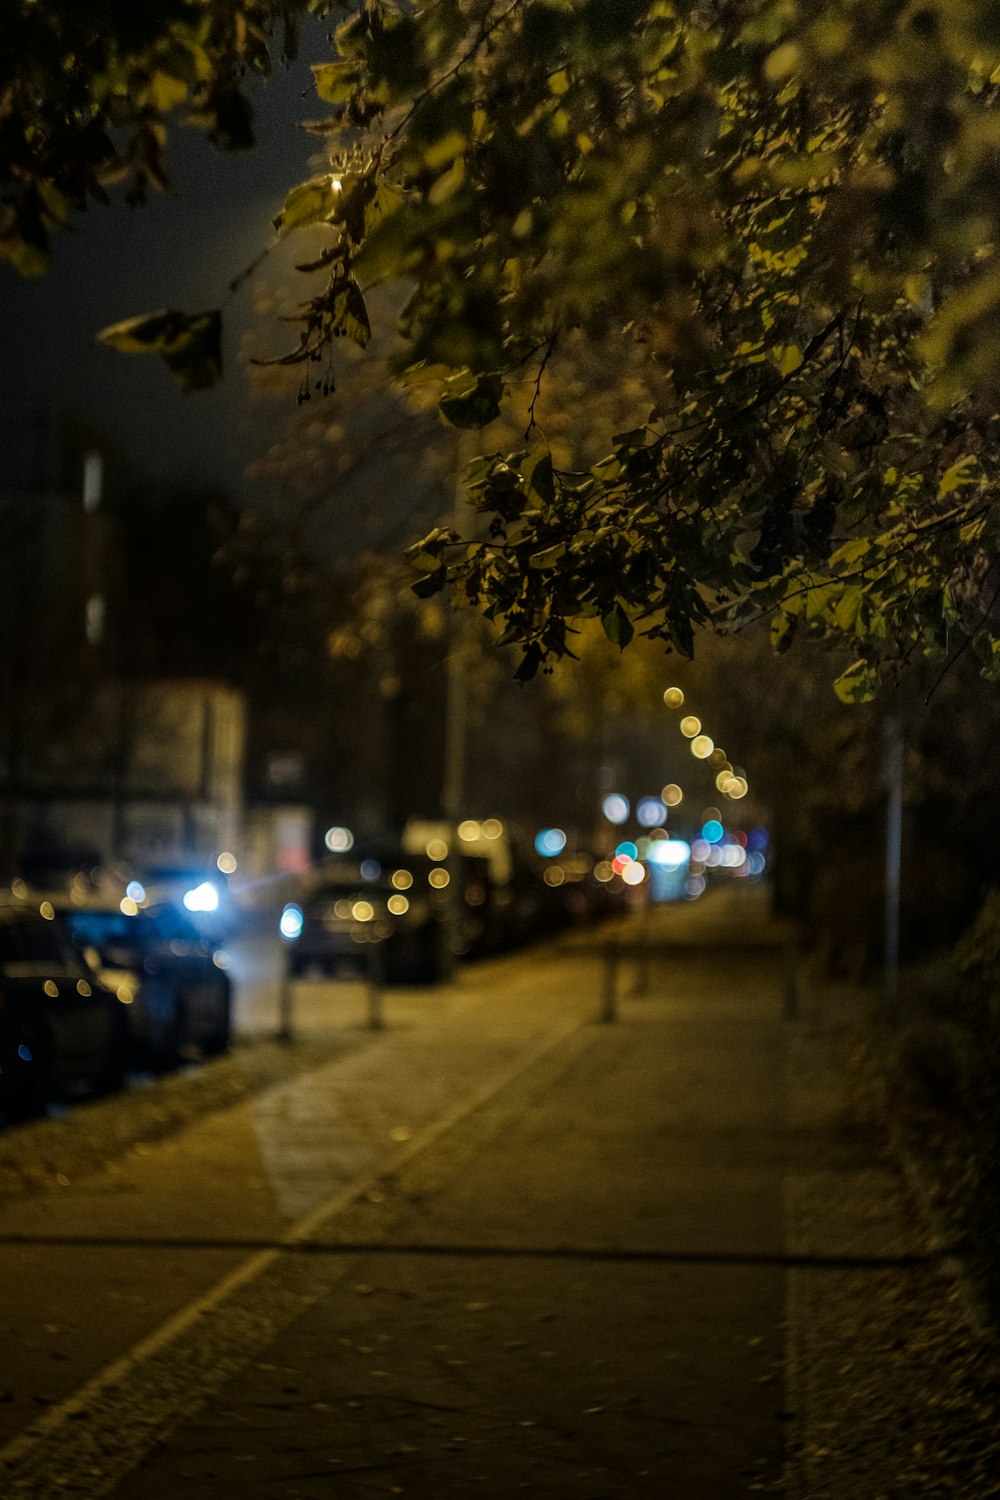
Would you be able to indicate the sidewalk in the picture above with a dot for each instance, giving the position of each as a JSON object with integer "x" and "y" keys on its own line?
{"x": 667, "y": 1257}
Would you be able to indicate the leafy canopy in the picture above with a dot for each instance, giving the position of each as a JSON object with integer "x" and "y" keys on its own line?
{"x": 788, "y": 207}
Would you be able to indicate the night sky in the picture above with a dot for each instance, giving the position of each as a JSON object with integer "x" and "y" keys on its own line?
{"x": 178, "y": 251}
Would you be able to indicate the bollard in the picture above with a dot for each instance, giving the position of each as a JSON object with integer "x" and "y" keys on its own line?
{"x": 642, "y": 973}
{"x": 609, "y": 999}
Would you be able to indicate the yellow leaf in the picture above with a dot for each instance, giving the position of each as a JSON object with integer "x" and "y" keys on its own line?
{"x": 166, "y": 91}
{"x": 789, "y": 359}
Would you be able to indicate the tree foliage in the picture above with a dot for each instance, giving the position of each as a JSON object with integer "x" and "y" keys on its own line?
{"x": 789, "y": 209}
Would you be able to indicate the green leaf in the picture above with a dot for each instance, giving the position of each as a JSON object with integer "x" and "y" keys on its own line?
{"x": 858, "y": 684}
{"x": 426, "y": 554}
{"x": 430, "y": 584}
{"x": 818, "y": 599}
{"x": 850, "y": 553}
{"x": 335, "y": 81}
{"x": 189, "y": 343}
{"x": 351, "y": 313}
{"x": 847, "y": 608}
{"x": 617, "y": 626}
{"x": 538, "y": 475}
{"x": 548, "y": 557}
{"x": 309, "y": 203}
{"x": 471, "y": 405}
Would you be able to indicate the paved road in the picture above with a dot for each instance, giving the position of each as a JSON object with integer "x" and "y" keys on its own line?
{"x": 497, "y": 1246}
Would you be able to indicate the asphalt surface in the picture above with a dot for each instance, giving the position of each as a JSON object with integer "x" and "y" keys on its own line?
{"x": 502, "y": 1245}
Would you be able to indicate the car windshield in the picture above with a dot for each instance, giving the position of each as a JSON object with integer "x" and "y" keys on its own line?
{"x": 103, "y": 929}
{"x": 112, "y": 932}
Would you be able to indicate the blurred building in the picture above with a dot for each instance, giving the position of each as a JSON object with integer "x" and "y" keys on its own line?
{"x": 94, "y": 761}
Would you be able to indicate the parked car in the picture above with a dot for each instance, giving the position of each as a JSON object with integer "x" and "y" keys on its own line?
{"x": 384, "y": 907}
{"x": 202, "y": 891}
{"x": 60, "y": 1028}
{"x": 172, "y": 979}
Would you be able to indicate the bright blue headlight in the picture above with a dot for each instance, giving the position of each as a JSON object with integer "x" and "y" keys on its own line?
{"x": 290, "y": 923}
{"x": 204, "y": 897}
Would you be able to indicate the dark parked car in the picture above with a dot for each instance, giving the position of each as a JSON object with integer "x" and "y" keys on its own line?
{"x": 388, "y": 909}
{"x": 179, "y": 998}
{"x": 59, "y": 1027}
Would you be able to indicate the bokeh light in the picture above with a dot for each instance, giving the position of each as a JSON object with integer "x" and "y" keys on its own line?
{"x": 338, "y": 840}
{"x": 702, "y": 746}
{"x": 549, "y": 842}
{"x": 673, "y": 697}
{"x": 615, "y": 807}
{"x": 670, "y": 853}
{"x": 672, "y": 795}
{"x": 690, "y": 726}
{"x": 650, "y": 811}
{"x": 290, "y": 923}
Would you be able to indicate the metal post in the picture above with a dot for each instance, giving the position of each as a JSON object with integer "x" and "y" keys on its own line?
{"x": 609, "y": 998}
{"x": 893, "y": 766}
{"x": 642, "y": 971}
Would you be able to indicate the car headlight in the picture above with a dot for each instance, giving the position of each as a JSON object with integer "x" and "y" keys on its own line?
{"x": 204, "y": 897}
{"x": 290, "y": 923}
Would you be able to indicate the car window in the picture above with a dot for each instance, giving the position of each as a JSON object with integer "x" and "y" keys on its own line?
{"x": 102, "y": 929}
